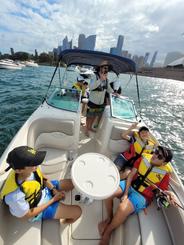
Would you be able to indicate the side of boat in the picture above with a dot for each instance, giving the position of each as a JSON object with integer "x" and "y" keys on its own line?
{"x": 9, "y": 64}
{"x": 31, "y": 64}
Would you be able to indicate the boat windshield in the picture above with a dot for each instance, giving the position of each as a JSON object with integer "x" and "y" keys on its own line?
{"x": 65, "y": 99}
{"x": 122, "y": 108}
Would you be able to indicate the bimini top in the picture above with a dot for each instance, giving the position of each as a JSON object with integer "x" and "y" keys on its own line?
{"x": 94, "y": 58}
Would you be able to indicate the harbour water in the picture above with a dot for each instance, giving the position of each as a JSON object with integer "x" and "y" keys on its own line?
{"x": 162, "y": 100}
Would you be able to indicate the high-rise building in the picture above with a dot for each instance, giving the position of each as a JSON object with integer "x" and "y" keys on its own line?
{"x": 153, "y": 59}
{"x": 87, "y": 43}
{"x": 120, "y": 44}
{"x": 172, "y": 56}
{"x": 12, "y": 51}
{"x": 90, "y": 42}
{"x": 81, "y": 41}
{"x": 146, "y": 57}
{"x": 113, "y": 50}
{"x": 118, "y": 49}
{"x": 124, "y": 53}
{"x": 66, "y": 43}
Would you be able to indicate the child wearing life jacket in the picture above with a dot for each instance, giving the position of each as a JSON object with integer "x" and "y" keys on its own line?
{"x": 151, "y": 172}
{"x": 140, "y": 142}
{"x": 29, "y": 194}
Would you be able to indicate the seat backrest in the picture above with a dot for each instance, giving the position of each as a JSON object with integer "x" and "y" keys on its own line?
{"x": 48, "y": 132}
{"x": 116, "y": 143}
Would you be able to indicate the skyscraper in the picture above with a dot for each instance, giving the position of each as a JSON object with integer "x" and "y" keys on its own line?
{"x": 153, "y": 59}
{"x": 120, "y": 44}
{"x": 81, "y": 41}
{"x": 87, "y": 43}
{"x": 90, "y": 42}
{"x": 113, "y": 50}
{"x": 66, "y": 43}
{"x": 118, "y": 49}
{"x": 146, "y": 57}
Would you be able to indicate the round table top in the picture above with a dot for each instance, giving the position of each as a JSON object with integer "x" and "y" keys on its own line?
{"x": 95, "y": 175}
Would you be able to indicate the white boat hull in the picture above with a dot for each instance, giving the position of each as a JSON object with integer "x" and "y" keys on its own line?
{"x": 10, "y": 67}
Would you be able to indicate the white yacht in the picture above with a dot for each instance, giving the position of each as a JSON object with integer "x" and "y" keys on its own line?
{"x": 31, "y": 63}
{"x": 55, "y": 128}
{"x": 9, "y": 64}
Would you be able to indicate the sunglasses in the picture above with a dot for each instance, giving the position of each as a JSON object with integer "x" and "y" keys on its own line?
{"x": 159, "y": 156}
{"x": 105, "y": 67}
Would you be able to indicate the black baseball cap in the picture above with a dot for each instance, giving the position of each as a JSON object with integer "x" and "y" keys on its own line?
{"x": 24, "y": 156}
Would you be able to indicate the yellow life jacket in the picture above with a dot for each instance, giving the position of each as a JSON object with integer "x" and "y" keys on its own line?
{"x": 140, "y": 146}
{"x": 149, "y": 174}
{"x": 31, "y": 188}
{"x": 76, "y": 86}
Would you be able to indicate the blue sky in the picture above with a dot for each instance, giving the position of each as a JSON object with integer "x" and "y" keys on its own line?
{"x": 42, "y": 24}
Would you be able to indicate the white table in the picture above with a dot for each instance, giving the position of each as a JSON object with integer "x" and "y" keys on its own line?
{"x": 95, "y": 176}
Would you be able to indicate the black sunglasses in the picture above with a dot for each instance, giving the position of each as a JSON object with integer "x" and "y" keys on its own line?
{"x": 159, "y": 156}
{"x": 105, "y": 66}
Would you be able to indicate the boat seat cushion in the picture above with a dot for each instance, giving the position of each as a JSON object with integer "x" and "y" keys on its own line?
{"x": 154, "y": 229}
{"x": 117, "y": 146}
{"x": 48, "y": 125}
{"x": 54, "y": 140}
{"x": 55, "y": 163}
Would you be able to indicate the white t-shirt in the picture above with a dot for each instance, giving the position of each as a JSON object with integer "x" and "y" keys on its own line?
{"x": 18, "y": 206}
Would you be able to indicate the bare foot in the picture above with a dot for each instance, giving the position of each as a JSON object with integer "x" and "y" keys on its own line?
{"x": 105, "y": 240}
{"x": 102, "y": 226}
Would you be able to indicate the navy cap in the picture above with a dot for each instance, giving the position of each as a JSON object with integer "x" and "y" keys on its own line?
{"x": 25, "y": 156}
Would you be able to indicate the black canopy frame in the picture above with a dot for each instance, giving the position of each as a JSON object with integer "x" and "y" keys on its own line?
{"x": 117, "y": 63}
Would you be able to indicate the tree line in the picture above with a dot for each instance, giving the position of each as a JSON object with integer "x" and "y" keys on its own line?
{"x": 42, "y": 58}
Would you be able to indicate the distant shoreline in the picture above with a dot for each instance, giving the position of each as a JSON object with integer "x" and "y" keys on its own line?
{"x": 157, "y": 72}
{"x": 166, "y": 72}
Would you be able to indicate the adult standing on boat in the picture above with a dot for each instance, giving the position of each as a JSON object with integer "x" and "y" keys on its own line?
{"x": 29, "y": 194}
{"x": 99, "y": 85}
{"x": 149, "y": 175}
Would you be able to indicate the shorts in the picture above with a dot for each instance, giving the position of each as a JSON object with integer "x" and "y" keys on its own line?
{"x": 94, "y": 110}
{"x": 49, "y": 212}
{"x": 120, "y": 162}
{"x": 139, "y": 202}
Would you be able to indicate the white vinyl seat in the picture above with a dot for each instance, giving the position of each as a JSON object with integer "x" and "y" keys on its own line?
{"x": 56, "y": 137}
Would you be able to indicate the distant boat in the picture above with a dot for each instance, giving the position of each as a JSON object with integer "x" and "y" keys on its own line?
{"x": 31, "y": 63}
{"x": 86, "y": 72}
{"x": 9, "y": 64}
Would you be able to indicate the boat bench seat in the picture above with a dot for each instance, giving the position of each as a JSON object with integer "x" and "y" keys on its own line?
{"x": 116, "y": 144}
{"x": 141, "y": 228}
{"x": 154, "y": 228}
{"x": 55, "y": 133}
{"x": 56, "y": 137}
{"x": 17, "y": 231}
{"x": 55, "y": 163}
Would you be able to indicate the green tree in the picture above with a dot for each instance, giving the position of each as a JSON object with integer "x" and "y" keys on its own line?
{"x": 21, "y": 56}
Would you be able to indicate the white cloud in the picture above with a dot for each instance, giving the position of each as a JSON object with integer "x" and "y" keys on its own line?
{"x": 147, "y": 25}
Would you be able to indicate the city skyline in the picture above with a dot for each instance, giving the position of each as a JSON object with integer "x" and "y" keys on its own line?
{"x": 42, "y": 24}
{"x": 88, "y": 43}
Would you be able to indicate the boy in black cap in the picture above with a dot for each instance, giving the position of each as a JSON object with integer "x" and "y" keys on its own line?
{"x": 29, "y": 194}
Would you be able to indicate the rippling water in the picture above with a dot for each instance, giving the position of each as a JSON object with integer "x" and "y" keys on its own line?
{"x": 162, "y": 100}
